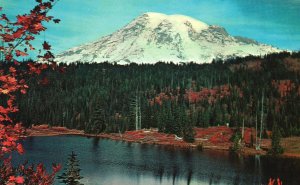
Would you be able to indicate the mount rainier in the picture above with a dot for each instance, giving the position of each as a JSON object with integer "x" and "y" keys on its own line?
{"x": 154, "y": 37}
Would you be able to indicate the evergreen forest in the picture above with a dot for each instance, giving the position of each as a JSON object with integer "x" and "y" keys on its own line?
{"x": 104, "y": 97}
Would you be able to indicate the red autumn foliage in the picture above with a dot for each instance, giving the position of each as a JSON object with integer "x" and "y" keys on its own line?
{"x": 212, "y": 94}
{"x": 284, "y": 87}
{"x": 15, "y": 35}
{"x": 275, "y": 182}
{"x": 212, "y": 136}
{"x": 205, "y": 94}
{"x": 248, "y": 132}
{"x": 215, "y": 135}
{"x": 44, "y": 81}
{"x": 46, "y": 46}
{"x": 20, "y": 53}
{"x": 24, "y": 28}
{"x": 153, "y": 136}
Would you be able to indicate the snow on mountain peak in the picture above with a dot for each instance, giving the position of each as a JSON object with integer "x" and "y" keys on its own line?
{"x": 177, "y": 20}
{"x": 154, "y": 37}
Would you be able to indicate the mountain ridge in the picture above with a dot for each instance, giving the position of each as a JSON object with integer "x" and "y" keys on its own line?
{"x": 154, "y": 37}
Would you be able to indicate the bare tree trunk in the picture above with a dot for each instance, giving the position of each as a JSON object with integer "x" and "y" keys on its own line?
{"x": 136, "y": 113}
{"x": 256, "y": 144}
{"x": 140, "y": 113}
{"x": 243, "y": 129}
{"x": 261, "y": 119}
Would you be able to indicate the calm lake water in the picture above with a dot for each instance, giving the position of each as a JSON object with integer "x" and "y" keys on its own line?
{"x": 107, "y": 162}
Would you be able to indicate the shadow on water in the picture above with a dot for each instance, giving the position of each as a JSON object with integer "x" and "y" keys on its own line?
{"x": 95, "y": 144}
{"x": 237, "y": 180}
{"x": 175, "y": 174}
{"x": 189, "y": 177}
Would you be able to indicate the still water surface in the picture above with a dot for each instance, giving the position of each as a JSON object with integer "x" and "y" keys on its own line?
{"x": 107, "y": 162}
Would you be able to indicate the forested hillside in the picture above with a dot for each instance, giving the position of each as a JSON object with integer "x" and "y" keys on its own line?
{"x": 174, "y": 98}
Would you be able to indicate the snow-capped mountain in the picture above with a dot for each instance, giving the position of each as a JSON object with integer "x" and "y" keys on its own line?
{"x": 154, "y": 37}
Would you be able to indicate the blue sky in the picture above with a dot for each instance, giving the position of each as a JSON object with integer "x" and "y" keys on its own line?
{"x": 275, "y": 22}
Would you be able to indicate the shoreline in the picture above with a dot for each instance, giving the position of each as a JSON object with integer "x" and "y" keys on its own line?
{"x": 169, "y": 140}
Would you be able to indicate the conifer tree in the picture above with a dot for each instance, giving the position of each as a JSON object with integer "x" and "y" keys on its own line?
{"x": 188, "y": 130}
{"x": 97, "y": 123}
{"x": 236, "y": 139}
{"x": 71, "y": 175}
{"x": 276, "y": 136}
{"x": 178, "y": 122}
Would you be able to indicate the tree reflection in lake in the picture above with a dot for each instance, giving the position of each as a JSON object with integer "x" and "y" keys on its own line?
{"x": 107, "y": 162}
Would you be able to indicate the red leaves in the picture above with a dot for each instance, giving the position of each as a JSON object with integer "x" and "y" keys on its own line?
{"x": 284, "y": 87}
{"x": 46, "y": 46}
{"x": 29, "y": 37}
{"x": 19, "y": 34}
{"x": 48, "y": 56}
{"x": 24, "y": 28}
{"x": 56, "y": 168}
{"x": 30, "y": 175}
{"x": 12, "y": 70}
{"x": 272, "y": 181}
{"x": 9, "y": 135}
{"x": 4, "y": 91}
{"x": 44, "y": 66}
{"x": 8, "y": 57}
{"x": 20, "y": 53}
{"x": 33, "y": 69}
{"x": 22, "y": 19}
{"x": 211, "y": 95}
{"x": 4, "y": 17}
{"x": 3, "y": 110}
{"x": 44, "y": 81}
{"x": 7, "y": 37}
{"x": 19, "y": 180}
{"x": 10, "y": 102}
{"x": 16, "y": 180}
{"x": 62, "y": 69}
{"x": 20, "y": 149}
{"x": 36, "y": 28}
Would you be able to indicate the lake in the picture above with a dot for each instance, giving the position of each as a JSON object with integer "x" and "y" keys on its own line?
{"x": 108, "y": 162}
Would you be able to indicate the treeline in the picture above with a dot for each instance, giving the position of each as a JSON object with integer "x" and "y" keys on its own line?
{"x": 174, "y": 98}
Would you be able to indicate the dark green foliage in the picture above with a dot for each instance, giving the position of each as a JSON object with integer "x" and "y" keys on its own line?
{"x": 97, "y": 123}
{"x": 98, "y": 97}
{"x": 71, "y": 174}
{"x": 276, "y": 136}
{"x": 188, "y": 132}
{"x": 237, "y": 140}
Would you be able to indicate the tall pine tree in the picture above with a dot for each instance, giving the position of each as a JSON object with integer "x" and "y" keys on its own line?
{"x": 71, "y": 175}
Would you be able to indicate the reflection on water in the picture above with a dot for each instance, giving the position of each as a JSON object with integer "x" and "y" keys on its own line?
{"x": 107, "y": 162}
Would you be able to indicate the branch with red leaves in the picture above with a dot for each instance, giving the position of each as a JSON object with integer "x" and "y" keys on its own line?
{"x": 17, "y": 36}
{"x": 22, "y": 31}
